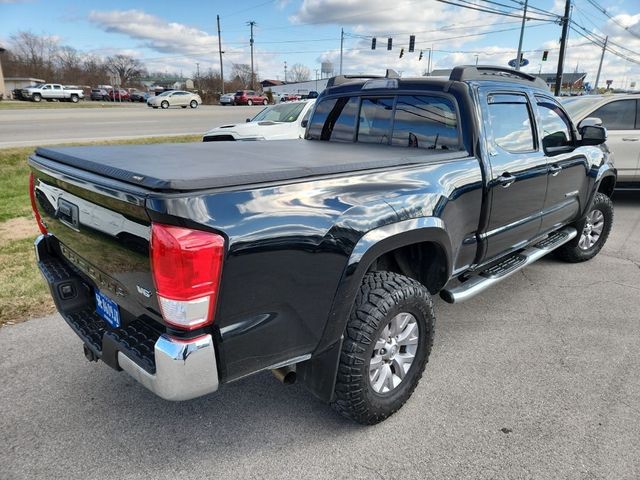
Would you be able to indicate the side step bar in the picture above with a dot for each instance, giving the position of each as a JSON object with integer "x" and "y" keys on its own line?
{"x": 507, "y": 266}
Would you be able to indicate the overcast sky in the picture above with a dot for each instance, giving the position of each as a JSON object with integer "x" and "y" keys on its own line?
{"x": 173, "y": 36}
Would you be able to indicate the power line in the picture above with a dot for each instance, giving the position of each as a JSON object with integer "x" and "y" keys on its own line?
{"x": 601, "y": 9}
{"x": 473, "y": 6}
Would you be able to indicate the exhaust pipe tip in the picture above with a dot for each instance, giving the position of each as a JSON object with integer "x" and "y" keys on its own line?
{"x": 89, "y": 355}
{"x": 286, "y": 375}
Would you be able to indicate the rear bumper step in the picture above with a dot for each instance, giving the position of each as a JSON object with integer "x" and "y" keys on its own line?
{"x": 172, "y": 368}
{"x": 506, "y": 267}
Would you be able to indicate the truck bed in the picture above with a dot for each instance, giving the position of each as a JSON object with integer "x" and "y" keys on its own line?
{"x": 197, "y": 166}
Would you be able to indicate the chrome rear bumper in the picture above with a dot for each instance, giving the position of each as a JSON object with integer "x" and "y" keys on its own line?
{"x": 184, "y": 369}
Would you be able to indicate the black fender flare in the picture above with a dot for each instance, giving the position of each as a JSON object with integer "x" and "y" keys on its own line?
{"x": 319, "y": 373}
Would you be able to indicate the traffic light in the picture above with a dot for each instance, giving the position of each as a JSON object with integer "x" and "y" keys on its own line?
{"x": 420, "y": 57}
{"x": 389, "y": 43}
{"x": 545, "y": 54}
{"x": 412, "y": 43}
{"x": 373, "y": 43}
{"x": 401, "y": 52}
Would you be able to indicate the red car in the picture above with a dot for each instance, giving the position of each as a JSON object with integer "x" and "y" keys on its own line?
{"x": 290, "y": 97}
{"x": 249, "y": 97}
{"x": 119, "y": 95}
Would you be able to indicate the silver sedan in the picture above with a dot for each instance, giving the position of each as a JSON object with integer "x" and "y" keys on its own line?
{"x": 175, "y": 98}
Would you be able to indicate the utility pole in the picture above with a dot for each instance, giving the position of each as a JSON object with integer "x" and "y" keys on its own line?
{"x": 604, "y": 49}
{"x": 341, "y": 47}
{"x": 477, "y": 59}
{"x": 220, "y": 52}
{"x": 197, "y": 76}
{"x": 563, "y": 47}
{"x": 429, "y": 62}
{"x": 524, "y": 19}
{"x": 285, "y": 71}
{"x": 316, "y": 79}
{"x": 251, "y": 24}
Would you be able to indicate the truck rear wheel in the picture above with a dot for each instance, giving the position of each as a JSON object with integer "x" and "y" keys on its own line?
{"x": 593, "y": 231}
{"x": 386, "y": 347}
{"x": 75, "y": 98}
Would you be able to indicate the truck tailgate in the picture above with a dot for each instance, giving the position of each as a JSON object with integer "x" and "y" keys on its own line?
{"x": 102, "y": 232}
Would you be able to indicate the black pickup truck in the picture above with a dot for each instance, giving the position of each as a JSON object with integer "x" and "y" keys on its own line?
{"x": 194, "y": 265}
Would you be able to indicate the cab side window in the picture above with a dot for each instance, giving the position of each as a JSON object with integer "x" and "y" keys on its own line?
{"x": 510, "y": 121}
{"x": 556, "y": 128}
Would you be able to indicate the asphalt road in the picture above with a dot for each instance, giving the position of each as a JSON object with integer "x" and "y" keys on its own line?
{"x": 537, "y": 378}
{"x": 63, "y": 125}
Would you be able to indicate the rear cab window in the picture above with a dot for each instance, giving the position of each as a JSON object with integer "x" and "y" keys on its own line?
{"x": 427, "y": 122}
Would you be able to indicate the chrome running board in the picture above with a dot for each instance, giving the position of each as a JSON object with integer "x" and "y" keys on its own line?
{"x": 506, "y": 267}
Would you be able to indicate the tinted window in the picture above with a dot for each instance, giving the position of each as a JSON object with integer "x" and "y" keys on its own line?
{"x": 374, "y": 125}
{"x": 320, "y": 117}
{"x": 335, "y": 120}
{"x": 511, "y": 123}
{"x": 425, "y": 122}
{"x": 619, "y": 115}
{"x": 556, "y": 130}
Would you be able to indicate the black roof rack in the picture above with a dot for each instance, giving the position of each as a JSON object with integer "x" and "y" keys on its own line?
{"x": 341, "y": 79}
{"x": 485, "y": 72}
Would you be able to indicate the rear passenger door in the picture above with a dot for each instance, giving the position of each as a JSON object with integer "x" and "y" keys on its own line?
{"x": 518, "y": 171}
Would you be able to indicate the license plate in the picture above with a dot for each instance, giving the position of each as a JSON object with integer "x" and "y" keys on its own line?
{"x": 107, "y": 309}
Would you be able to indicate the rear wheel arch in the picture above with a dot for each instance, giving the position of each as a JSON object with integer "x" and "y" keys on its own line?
{"x": 388, "y": 248}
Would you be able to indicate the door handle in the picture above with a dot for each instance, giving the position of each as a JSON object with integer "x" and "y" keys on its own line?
{"x": 555, "y": 170}
{"x": 506, "y": 180}
{"x": 630, "y": 139}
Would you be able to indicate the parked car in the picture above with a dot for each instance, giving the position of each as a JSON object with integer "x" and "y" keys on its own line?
{"x": 276, "y": 122}
{"x": 318, "y": 258}
{"x": 290, "y": 97}
{"x": 139, "y": 96}
{"x": 100, "y": 94}
{"x": 249, "y": 97}
{"x": 620, "y": 114}
{"x": 52, "y": 91}
{"x": 227, "y": 99}
{"x": 119, "y": 95}
{"x": 175, "y": 98}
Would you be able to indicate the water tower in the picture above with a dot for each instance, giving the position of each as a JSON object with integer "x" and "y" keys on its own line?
{"x": 326, "y": 69}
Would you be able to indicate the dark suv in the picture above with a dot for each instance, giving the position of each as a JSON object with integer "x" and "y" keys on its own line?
{"x": 249, "y": 97}
{"x": 100, "y": 94}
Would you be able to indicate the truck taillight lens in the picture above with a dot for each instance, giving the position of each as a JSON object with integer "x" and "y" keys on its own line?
{"x": 34, "y": 205}
{"x": 186, "y": 266}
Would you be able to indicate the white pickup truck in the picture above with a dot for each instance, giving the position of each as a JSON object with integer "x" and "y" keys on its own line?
{"x": 52, "y": 91}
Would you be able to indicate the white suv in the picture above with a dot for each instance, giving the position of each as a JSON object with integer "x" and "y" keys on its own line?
{"x": 276, "y": 122}
{"x": 620, "y": 114}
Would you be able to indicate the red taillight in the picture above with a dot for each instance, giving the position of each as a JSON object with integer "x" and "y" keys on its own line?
{"x": 34, "y": 205}
{"x": 186, "y": 266}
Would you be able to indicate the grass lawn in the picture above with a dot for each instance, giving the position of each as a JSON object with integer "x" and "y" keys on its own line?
{"x": 23, "y": 293}
{"x": 28, "y": 105}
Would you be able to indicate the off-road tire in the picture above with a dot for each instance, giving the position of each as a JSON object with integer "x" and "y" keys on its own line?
{"x": 571, "y": 251}
{"x": 380, "y": 298}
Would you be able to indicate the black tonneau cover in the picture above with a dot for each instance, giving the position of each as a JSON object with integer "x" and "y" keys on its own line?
{"x": 197, "y": 166}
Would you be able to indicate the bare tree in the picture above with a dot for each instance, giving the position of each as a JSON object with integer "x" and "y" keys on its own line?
{"x": 34, "y": 53}
{"x": 299, "y": 73}
{"x": 126, "y": 67}
{"x": 241, "y": 73}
